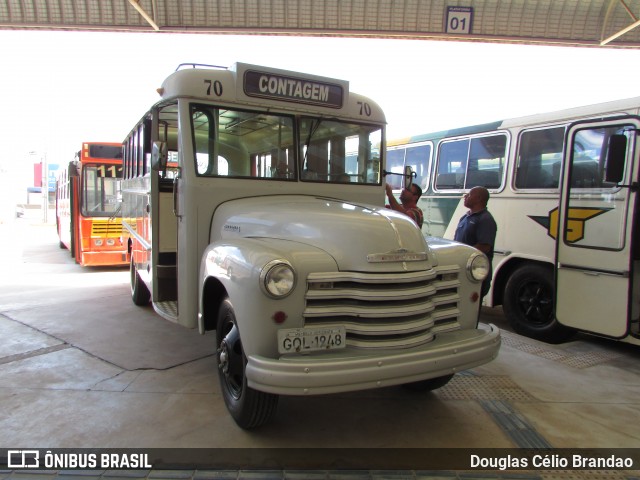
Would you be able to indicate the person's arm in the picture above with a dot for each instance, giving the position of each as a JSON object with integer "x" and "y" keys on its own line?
{"x": 393, "y": 203}
{"x": 486, "y": 235}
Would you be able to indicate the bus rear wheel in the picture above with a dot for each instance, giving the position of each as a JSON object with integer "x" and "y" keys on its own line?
{"x": 249, "y": 408}
{"x": 528, "y": 304}
{"x": 139, "y": 291}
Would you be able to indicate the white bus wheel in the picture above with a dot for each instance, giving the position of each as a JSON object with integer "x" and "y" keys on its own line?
{"x": 528, "y": 304}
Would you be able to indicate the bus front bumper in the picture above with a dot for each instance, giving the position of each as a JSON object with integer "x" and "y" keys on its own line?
{"x": 104, "y": 258}
{"x": 345, "y": 371}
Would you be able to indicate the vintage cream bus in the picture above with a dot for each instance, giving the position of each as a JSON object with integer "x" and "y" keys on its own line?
{"x": 254, "y": 208}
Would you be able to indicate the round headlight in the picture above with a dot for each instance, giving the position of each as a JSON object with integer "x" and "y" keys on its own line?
{"x": 478, "y": 267}
{"x": 98, "y": 242}
{"x": 277, "y": 279}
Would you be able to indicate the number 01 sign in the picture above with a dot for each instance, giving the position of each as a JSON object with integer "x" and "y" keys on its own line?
{"x": 459, "y": 20}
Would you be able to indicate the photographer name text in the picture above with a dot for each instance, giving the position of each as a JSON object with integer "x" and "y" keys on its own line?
{"x": 551, "y": 462}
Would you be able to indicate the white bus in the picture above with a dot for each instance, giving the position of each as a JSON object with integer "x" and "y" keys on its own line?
{"x": 253, "y": 207}
{"x": 564, "y": 195}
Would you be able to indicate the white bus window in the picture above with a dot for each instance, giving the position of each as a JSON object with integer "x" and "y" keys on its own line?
{"x": 452, "y": 163}
{"x": 603, "y": 203}
{"x": 589, "y": 157}
{"x": 339, "y": 152}
{"x": 472, "y": 162}
{"x": 395, "y": 164}
{"x": 418, "y": 158}
{"x": 539, "y": 158}
{"x": 486, "y": 161}
{"x": 244, "y": 144}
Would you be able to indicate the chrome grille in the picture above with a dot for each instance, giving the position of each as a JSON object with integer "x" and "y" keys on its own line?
{"x": 385, "y": 310}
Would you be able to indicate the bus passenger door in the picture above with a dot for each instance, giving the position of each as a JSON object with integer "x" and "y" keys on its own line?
{"x": 595, "y": 220}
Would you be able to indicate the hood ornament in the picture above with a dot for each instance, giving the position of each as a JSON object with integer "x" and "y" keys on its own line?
{"x": 399, "y": 255}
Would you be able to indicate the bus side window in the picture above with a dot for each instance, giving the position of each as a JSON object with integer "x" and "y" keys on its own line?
{"x": 588, "y": 168}
{"x": 539, "y": 158}
{"x": 168, "y": 133}
{"x": 395, "y": 164}
{"x": 452, "y": 164}
{"x": 487, "y": 156}
{"x": 418, "y": 158}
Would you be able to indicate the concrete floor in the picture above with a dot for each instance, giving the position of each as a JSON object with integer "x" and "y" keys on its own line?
{"x": 82, "y": 366}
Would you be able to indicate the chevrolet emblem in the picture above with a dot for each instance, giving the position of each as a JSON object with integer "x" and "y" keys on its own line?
{"x": 400, "y": 255}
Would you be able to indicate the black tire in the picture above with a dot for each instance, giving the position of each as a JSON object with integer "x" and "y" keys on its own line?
{"x": 528, "y": 304}
{"x": 249, "y": 408}
{"x": 139, "y": 291}
{"x": 428, "y": 385}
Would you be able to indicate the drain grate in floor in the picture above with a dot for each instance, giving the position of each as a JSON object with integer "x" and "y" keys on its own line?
{"x": 514, "y": 424}
{"x": 571, "y": 359}
{"x": 471, "y": 387}
{"x": 589, "y": 359}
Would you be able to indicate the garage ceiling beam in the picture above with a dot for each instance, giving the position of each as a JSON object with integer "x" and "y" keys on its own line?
{"x": 635, "y": 24}
{"x": 145, "y": 15}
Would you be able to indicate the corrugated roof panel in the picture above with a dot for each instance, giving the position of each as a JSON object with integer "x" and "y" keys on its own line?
{"x": 526, "y": 21}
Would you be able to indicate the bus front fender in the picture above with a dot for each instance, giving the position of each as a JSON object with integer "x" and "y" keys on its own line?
{"x": 233, "y": 271}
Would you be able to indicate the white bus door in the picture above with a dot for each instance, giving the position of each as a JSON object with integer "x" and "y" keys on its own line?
{"x": 595, "y": 227}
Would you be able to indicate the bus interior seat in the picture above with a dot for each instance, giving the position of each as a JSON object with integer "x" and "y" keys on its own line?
{"x": 585, "y": 175}
{"x": 448, "y": 180}
{"x": 483, "y": 178}
{"x": 535, "y": 176}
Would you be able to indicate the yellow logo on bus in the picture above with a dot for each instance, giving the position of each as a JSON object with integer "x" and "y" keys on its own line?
{"x": 576, "y": 219}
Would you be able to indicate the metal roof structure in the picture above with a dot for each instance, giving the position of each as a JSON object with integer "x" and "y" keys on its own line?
{"x": 610, "y": 23}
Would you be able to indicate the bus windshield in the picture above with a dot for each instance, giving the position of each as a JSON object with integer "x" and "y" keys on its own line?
{"x": 337, "y": 151}
{"x": 245, "y": 144}
{"x": 101, "y": 190}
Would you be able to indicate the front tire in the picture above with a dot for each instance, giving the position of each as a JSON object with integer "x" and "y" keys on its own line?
{"x": 139, "y": 291}
{"x": 528, "y": 304}
{"x": 249, "y": 408}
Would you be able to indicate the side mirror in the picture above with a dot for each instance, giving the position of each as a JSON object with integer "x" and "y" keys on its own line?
{"x": 408, "y": 176}
{"x": 616, "y": 155}
{"x": 159, "y": 156}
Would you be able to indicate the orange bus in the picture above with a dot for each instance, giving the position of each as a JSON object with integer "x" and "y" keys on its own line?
{"x": 88, "y": 203}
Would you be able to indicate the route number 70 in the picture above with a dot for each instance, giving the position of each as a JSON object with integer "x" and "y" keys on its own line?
{"x": 214, "y": 87}
{"x": 365, "y": 109}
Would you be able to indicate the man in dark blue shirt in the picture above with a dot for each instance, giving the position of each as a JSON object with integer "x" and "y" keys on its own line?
{"x": 478, "y": 228}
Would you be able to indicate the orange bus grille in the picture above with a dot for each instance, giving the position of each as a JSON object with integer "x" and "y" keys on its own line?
{"x": 107, "y": 228}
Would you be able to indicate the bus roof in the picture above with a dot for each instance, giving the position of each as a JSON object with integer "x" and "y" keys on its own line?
{"x": 570, "y": 114}
{"x": 615, "y": 106}
{"x": 454, "y": 132}
{"x": 246, "y": 84}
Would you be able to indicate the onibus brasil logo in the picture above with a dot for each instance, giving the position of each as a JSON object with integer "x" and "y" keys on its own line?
{"x": 576, "y": 220}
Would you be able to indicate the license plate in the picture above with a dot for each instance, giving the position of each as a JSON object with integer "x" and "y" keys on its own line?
{"x": 300, "y": 340}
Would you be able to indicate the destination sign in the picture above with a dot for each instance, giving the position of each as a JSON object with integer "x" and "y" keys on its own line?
{"x": 291, "y": 89}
